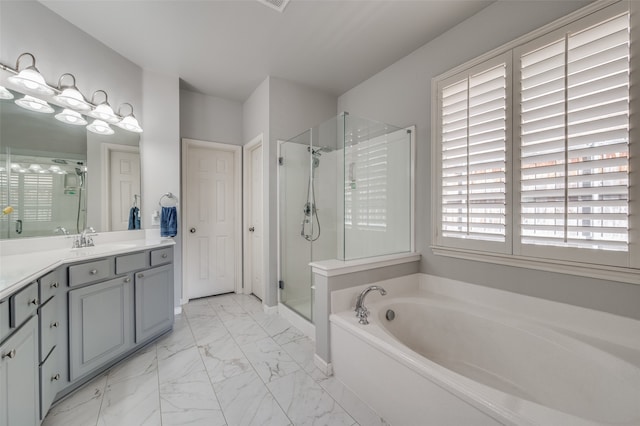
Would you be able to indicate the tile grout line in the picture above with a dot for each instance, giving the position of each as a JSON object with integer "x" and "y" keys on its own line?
{"x": 251, "y": 364}
{"x": 155, "y": 348}
{"x": 205, "y": 365}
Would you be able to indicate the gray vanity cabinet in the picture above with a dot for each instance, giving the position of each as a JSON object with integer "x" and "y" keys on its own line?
{"x": 19, "y": 387}
{"x": 100, "y": 324}
{"x": 154, "y": 301}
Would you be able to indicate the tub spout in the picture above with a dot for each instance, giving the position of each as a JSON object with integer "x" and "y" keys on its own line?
{"x": 361, "y": 311}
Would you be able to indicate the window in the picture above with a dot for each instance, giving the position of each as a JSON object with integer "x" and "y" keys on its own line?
{"x": 555, "y": 185}
{"x": 473, "y": 148}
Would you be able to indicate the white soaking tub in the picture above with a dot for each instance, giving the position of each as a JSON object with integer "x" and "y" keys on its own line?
{"x": 503, "y": 359}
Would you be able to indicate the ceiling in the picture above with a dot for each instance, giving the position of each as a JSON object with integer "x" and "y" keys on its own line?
{"x": 227, "y": 48}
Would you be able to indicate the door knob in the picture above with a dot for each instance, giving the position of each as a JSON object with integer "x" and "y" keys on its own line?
{"x": 192, "y": 230}
{"x": 253, "y": 228}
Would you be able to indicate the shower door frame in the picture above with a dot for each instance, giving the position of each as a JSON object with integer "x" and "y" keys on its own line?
{"x": 279, "y": 213}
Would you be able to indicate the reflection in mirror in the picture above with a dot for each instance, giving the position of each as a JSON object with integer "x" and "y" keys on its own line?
{"x": 58, "y": 178}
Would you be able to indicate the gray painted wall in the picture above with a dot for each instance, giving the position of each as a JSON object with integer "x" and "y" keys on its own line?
{"x": 160, "y": 155}
{"x": 59, "y": 47}
{"x": 401, "y": 95}
{"x": 210, "y": 118}
{"x": 279, "y": 109}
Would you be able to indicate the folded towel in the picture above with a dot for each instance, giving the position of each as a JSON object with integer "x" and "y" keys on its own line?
{"x": 134, "y": 218}
{"x": 168, "y": 222}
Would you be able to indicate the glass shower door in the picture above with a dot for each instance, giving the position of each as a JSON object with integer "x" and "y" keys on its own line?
{"x": 295, "y": 250}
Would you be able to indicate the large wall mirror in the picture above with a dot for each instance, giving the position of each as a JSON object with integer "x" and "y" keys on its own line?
{"x": 61, "y": 178}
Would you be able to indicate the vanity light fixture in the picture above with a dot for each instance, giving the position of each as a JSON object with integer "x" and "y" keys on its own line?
{"x": 103, "y": 111}
{"x": 30, "y": 78}
{"x": 34, "y": 104}
{"x": 100, "y": 127}
{"x": 70, "y": 96}
{"x": 5, "y": 94}
{"x": 129, "y": 122}
{"x": 70, "y": 116}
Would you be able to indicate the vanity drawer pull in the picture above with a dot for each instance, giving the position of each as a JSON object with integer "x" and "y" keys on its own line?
{"x": 33, "y": 302}
{"x": 127, "y": 280}
{"x": 11, "y": 354}
{"x": 55, "y": 377}
{"x": 165, "y": 255}
{"x": 93, "y": 271}
{"x": 55, "y": 324}
{"x": 54, "y": 285}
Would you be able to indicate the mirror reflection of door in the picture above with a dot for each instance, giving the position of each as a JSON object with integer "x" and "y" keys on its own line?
{"x": 124, "y": 184}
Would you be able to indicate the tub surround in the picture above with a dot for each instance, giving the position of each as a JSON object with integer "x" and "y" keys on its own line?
{"x": 332, "y": 275}
{"x": 24, "y": 260}
{"x": 594, "y": 355}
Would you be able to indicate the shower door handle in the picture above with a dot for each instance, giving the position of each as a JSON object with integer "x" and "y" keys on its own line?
{"x": 18, "y": 226}
{"x": 252, "y": 229}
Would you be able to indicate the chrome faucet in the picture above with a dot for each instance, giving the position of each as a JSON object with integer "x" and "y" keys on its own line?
{"x": 84, "y": 239}
{"x": 361, "y": 311}
{"x": 61, "y": 230}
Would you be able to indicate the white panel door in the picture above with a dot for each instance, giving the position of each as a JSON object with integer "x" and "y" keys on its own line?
{"x": 124, "y": 184}
{"x": 211, "y": 220}
{"x": 257, "y": 286}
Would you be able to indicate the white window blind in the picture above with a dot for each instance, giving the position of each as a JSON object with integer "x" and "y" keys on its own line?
{"x": 473, "y": 146}
{"x": 37, "y": 197}
{"x": 574, "y": 154}
{"x": 366, "y": 182}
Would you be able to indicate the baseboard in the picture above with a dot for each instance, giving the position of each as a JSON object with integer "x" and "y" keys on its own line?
{"x": 270, "y": 309}
{"x": 324, "y": 366}
{"x": 307, "y": 328}
{"x": 177, "y": 310}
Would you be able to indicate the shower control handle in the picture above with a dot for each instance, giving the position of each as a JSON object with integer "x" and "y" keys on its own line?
{"x": 252, "y": 229}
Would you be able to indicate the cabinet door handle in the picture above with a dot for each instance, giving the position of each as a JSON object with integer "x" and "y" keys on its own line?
{"x": 165, "y": 255}
{"x": 140, "y": 275}
{"x": 55, "y": 324}
{"x": 93, "y": 271}
{"x": 11, "y": 354}
{"x": 34, "y": 302}
{"x": 127, "y": 280}
{"x": 54, "y": 285}
{"x": 55, "y": 377}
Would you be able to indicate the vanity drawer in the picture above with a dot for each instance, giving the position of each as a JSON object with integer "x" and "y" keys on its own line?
{"x": 131, "y": 262}
{"x": 24, "y": 304}
{"x": 159, "y": 257}
{"x": 50, "y": 379}
{"x": 49, "y": 325}
{"x": 49, "y": 284}
{"x": 89, "y": 272}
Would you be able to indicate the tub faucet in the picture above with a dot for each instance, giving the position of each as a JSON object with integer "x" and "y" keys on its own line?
{"x": 361, "y": 310}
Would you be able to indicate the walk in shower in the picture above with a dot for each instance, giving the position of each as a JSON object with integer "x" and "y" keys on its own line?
{"x": 345, "y": 193}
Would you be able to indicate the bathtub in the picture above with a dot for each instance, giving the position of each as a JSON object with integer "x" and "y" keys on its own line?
{"x": 460, "y": 354}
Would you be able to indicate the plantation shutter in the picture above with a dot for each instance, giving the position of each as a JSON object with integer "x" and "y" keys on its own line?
{"x": 473, "y": 149}
{"x": 574, "y": 139}
{"x": 366, "y": 181}
{"x": 37, "y": 197}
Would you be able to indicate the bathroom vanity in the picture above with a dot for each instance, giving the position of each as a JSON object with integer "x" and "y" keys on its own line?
{"x": 64, "y": 323}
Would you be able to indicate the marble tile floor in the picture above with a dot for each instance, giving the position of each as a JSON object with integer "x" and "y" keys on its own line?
{"x": 225, "y": 363}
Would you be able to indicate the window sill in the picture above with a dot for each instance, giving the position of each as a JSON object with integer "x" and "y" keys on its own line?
{"x": 603, "y": 272}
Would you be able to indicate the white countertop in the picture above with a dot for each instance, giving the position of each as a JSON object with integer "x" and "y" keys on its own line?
{"x": 20, "y": 263}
